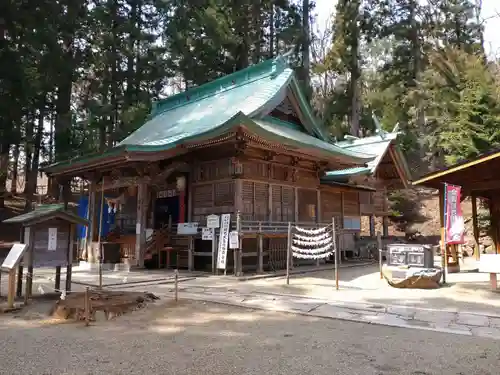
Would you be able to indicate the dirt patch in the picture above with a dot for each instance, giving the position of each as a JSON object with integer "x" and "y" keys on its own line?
{"x": 104, "y": 305}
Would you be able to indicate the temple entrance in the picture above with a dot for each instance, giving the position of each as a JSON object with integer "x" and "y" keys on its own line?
{"x": 165, "y": 208}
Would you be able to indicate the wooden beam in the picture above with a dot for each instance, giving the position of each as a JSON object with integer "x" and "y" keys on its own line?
{"x": 123, "y": 182}
{"x": 483, "y": 185}
{"x": 401, "y": 174}
{"x": 456, "y": 168}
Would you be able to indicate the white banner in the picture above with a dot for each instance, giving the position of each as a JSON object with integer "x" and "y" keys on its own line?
{"x": 52, "y": 245}
{"x": 223, "y": 241}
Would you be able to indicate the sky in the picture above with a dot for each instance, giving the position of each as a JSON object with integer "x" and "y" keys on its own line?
{"x": 491, "y": 8}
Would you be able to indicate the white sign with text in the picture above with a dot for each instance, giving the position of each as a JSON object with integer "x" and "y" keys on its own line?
{"x": 223, "y": 241}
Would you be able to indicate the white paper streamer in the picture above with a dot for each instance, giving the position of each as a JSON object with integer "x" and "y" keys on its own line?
{"x": 318, "y": 256}
{"x": 312, "y": 238}
{"x": 318, "y": 250}
{"x": 311, "y": 231}
{"x": 311, "y": 243}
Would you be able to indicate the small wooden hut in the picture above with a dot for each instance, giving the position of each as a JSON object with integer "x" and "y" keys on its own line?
{"x": 478, "y": 179}
{"x": 49, "y": 232}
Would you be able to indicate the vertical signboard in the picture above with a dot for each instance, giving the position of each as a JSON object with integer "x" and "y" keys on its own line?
{"x": 223, "y": 241}
{"x": 52, "y": 243}
{"x": 454, "y": 221}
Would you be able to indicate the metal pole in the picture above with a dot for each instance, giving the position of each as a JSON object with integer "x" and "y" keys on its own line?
{"x": 288, "y": 253}
{"x": 176, "y": 285}
{"x": 99, "y": 235}
{"x": 335, "y": 255}
{"x": 379, "y": 244}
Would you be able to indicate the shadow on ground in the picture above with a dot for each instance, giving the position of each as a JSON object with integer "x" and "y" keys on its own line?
{"x": 195, "y": 337}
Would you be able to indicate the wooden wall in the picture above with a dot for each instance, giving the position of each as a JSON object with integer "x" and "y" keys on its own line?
{"x": 212, "y": 189}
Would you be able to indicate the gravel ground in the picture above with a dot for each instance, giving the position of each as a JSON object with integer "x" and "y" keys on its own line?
{"x": 198, "y": 338}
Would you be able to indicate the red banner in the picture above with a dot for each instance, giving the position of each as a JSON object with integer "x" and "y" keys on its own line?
{"x": 454, "y": 221}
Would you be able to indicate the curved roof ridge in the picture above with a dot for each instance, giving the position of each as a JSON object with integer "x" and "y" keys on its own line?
{"x": 241, "y": 77}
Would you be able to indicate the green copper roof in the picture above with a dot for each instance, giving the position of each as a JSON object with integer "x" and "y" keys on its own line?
{"x": 212, "y": 109}
{"x": 197, "y": 116}
{"x": 376, "y": 145}
{"x": 45, "y": 212}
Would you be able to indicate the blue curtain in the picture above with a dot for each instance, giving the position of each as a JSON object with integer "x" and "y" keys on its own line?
{"x": 108, "y": 218}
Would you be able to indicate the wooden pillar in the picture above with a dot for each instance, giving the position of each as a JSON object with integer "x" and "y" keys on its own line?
{"x": 296, "y": 201}
{"x": 444, "y": 253}
{"x": 140, "y": 227}
{"x": 493, "y": 223}
{"x": 270, "y": 203}
{"x": 91, "y": 257}
{"x": 69, "y": 267}
{"x": 19, "y": 290}
{"x": 260, "y": 260}
{"x": 385, "y": 218}
{"x": 190, "y": 253}
{"x": 372, "y": 225}
{"x": 190, "y": 200}
{"x": 318, "y": 214}
{"x": 475, "y": 227}
{"x": 29, "y": 237}
{"x": 57, "y": 284}
{"x": 385, "y": 226}
{"x": 340, "y": 245}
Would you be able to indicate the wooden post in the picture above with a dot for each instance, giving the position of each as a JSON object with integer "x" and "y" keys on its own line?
{"x": 372, "y": 225}
{"x": 336, "y": 256}
{"x": 86, "y": 303}
{"x": 442, "y": 242}
{"x": 341, "y": 226}
{"x": 140, "y": 227}
{"x": 91, "y": 257}
{"x": 99, "y": 246}
{"x": 69, "y": 267}
{"x": 19, "y": 291}
{"x": 475, "y": 227}
{"x": 57, "y": 284}
{"x": 176, "y": 285}
{"x": 318, "y": 214}
{"x": 296, "y": 202}
{"x": 260, "y": 265}
{"x": 240, "y": 243}
{"x": 288, "y": 253}
{"x": 190, "y": 253}
{"x": 11, "y": 289}
{"x": 380, "y": 250}
{"x": 29, "y": 275}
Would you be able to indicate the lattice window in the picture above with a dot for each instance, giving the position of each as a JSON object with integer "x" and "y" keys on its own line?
{"x": 224, "y": 193}
{"x": 261, "y": 201}
{"x": 288, "y": 203}
{"x": 203, "y": 196}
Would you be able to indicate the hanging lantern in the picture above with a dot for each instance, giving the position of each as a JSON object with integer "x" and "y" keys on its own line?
{"x": 181, "y": 183}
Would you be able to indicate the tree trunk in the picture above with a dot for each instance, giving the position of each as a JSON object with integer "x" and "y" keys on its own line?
{"x": 4, "y": 167}
{"x": 15, "y": 166}
{"x": 32, "y": 174}
{"x": 271, "y": 31}
{"x": 355, "y": 71}
{"x": 306, "y": 45}
{"x": 417, "y": 68}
